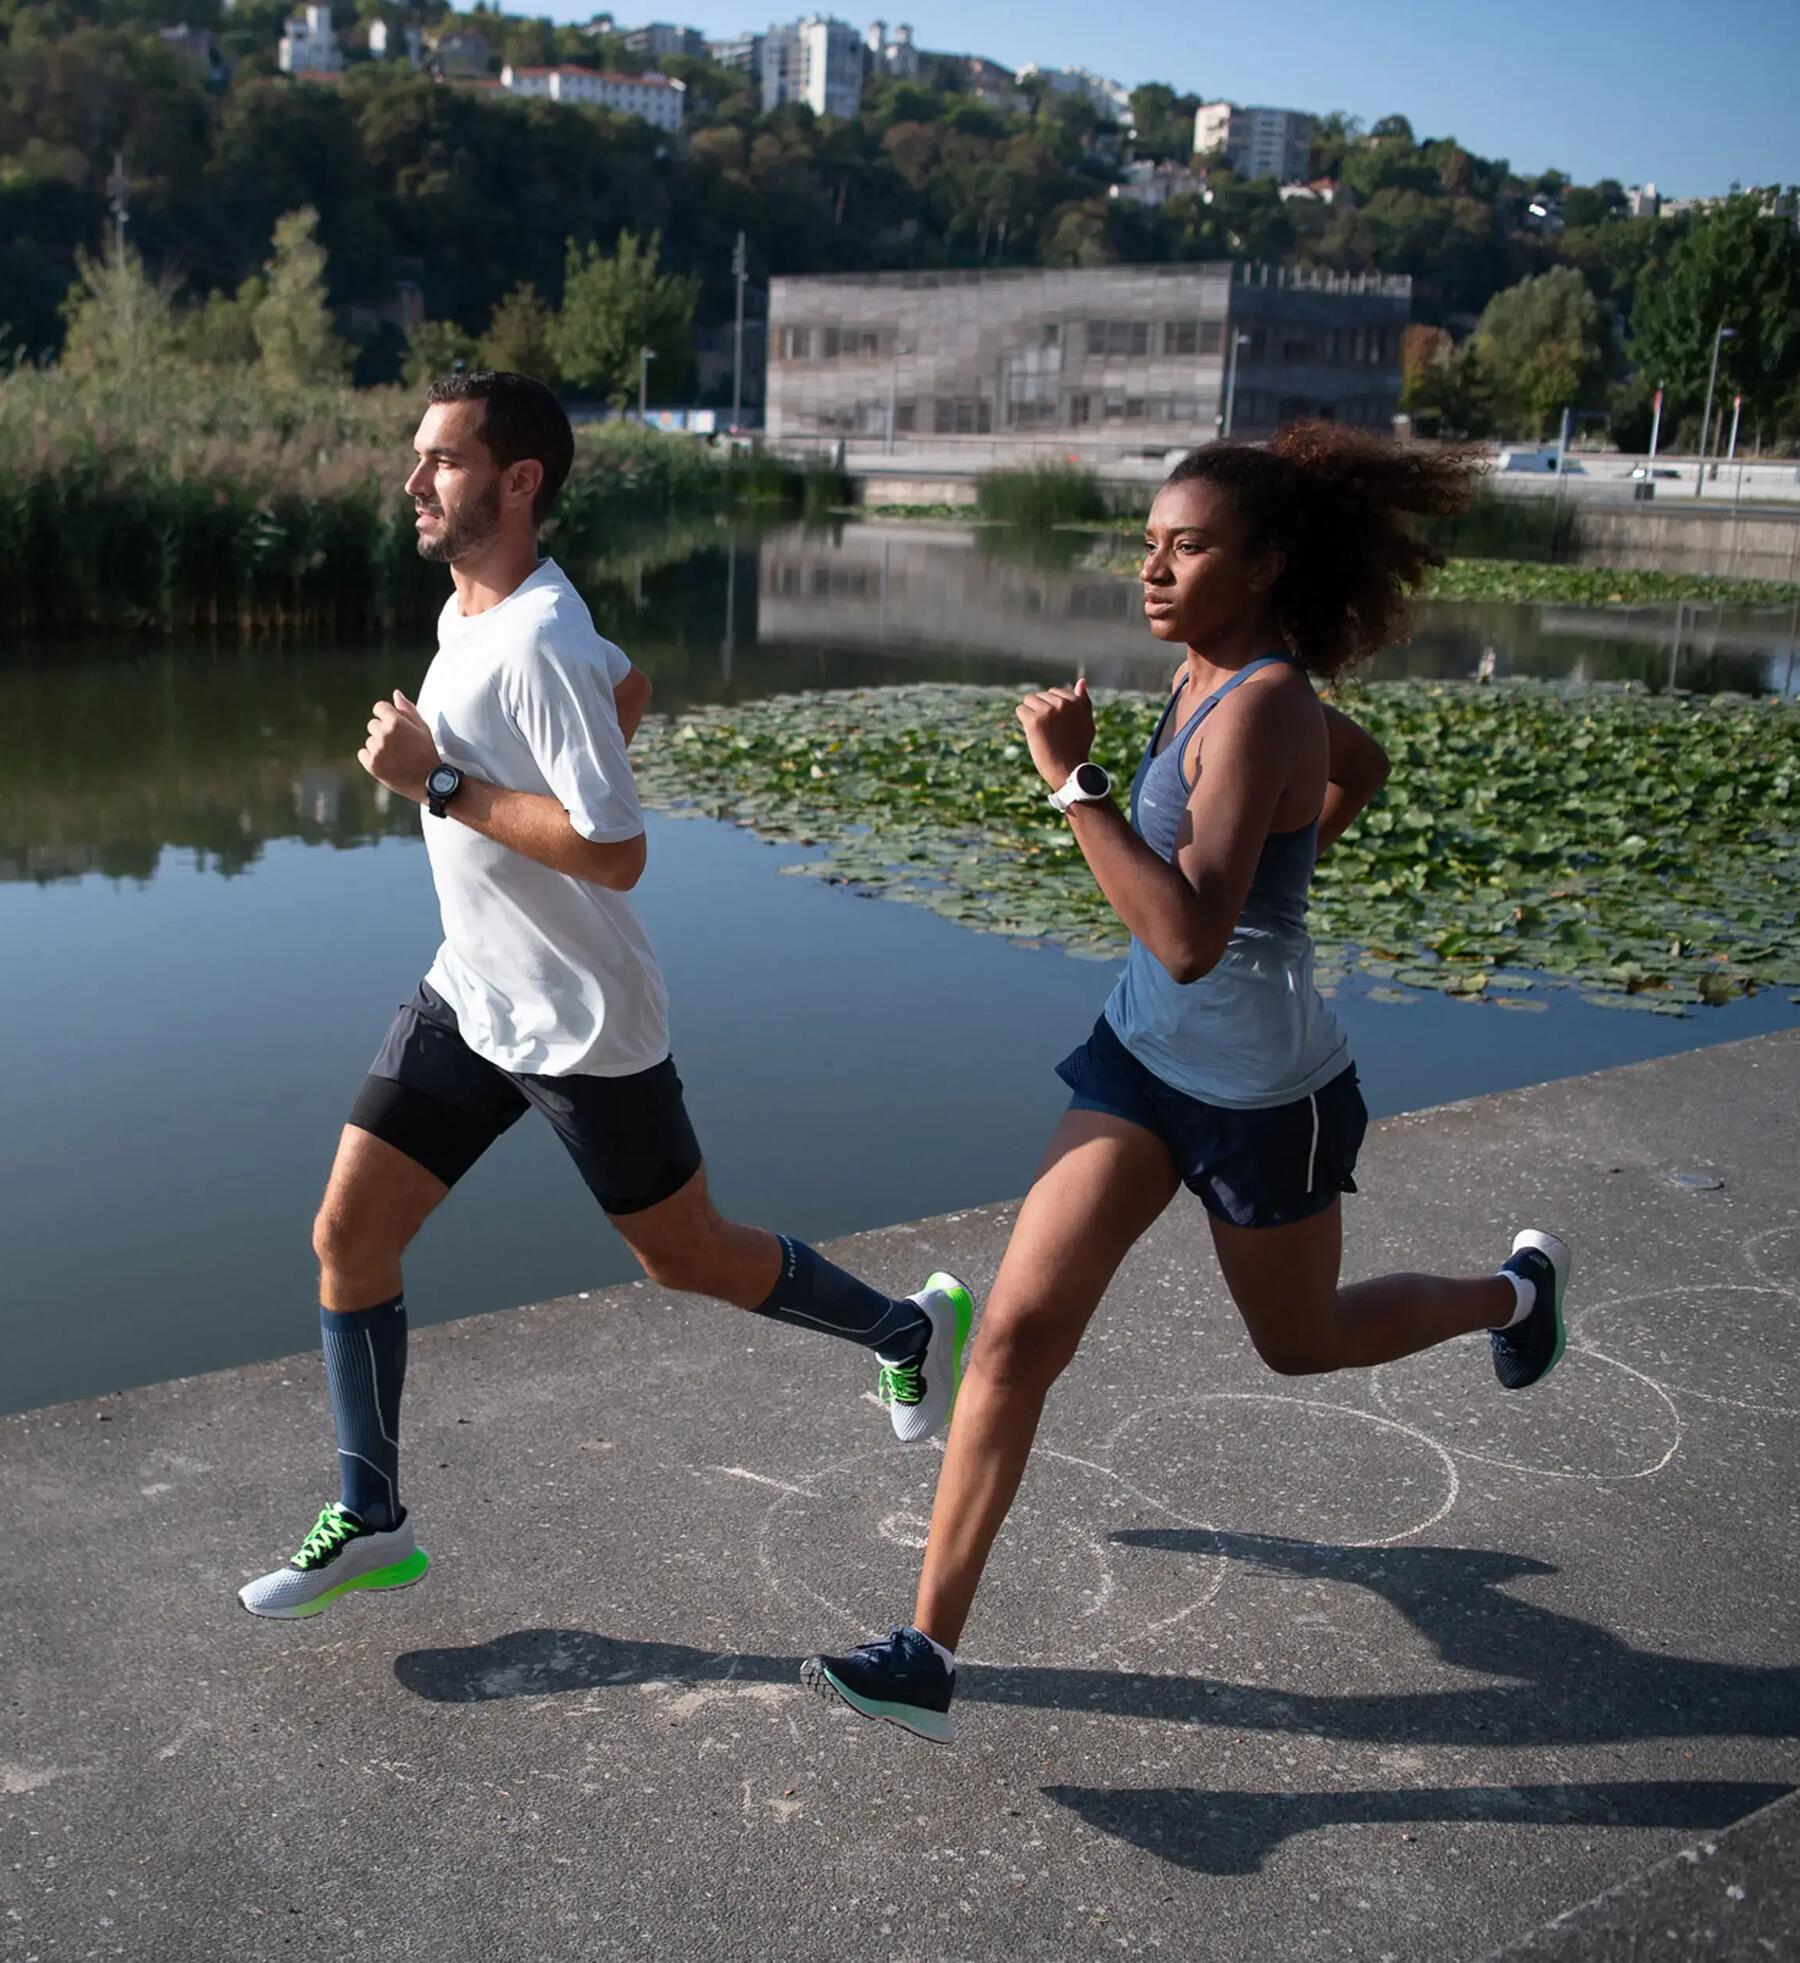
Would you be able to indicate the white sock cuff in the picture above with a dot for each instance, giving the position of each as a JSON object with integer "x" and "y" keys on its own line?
{"x": 1524, "y": 1299}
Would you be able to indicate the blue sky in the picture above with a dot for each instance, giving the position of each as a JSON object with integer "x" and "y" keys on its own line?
{"x": 1689, "y": 96}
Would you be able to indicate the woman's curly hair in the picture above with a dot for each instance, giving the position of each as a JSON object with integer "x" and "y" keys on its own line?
{"x": 1335, "y": 500}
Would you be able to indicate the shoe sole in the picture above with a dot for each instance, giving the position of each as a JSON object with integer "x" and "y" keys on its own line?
{"x": 962, "y": 1303}
{"x": 1561, "y": 1257}
{"x": 935, "y": 1727}
{"x": 398, "y": 1574}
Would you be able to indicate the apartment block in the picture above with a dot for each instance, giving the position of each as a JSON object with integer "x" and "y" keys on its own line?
{"x": 660, "y": 39}
{"x": 309, "y": 45}
{"x": 1256, "y": 142}
{"x": 654, "y": 97}
{"x": 1107, "y": 98}
{"x": 818, "y": 61}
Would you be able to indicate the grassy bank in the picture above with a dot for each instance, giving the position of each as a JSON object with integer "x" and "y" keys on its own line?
{"x": 1634, "y": 848}
{"x": 187, "y": 505}
{"x": 1552, "y": 585}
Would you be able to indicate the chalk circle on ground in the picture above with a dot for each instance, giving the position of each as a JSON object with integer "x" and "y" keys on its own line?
{"x": 1300, "y": 1468}
{"x": 1774, "y": 1258}
{"x": 1716, "y": 1341}
{"x": 848, "y": 1539}
{"x": 1594, "y": 1418}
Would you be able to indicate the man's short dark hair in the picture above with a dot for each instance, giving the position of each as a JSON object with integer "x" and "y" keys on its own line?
{"x": 520, "y": 418}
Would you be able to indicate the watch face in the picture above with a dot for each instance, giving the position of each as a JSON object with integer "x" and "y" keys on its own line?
{"x": 443, "y": 780}
{"x": 1091, "y": 780}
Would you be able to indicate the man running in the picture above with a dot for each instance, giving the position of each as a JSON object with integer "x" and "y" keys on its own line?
{"x": 544, "y": 995}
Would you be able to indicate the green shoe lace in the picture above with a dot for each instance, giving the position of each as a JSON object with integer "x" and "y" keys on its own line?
{"x": 902, "y": 1383}
{"x": 330, "y": 1531}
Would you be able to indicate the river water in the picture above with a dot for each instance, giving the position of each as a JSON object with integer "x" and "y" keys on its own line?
{"x": 208, "y": 913}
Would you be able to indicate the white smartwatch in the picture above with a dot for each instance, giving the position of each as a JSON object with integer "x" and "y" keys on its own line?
{"x": 1088, "y": 784}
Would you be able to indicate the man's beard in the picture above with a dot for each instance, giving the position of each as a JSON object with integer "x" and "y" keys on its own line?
{"x": 468, "y": 534}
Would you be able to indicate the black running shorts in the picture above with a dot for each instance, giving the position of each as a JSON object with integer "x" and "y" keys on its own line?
{"x": 430, "y": 1096}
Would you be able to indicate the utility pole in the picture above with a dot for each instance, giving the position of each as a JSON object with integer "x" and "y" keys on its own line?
{"x": 645, "y": 357}
{"x": 1656, "y": 420}
{"x": 740, "y": 272}
{"x": 1724, "y": 334}
{"x": 118, "y": 192}
{"x": 1562, "y": 454}
{"x": 1231, "y": 371}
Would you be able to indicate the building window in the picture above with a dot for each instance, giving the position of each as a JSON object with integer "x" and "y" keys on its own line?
{"x": 1212, "y": 336}
{"x": 1181, "y": 337}
{"x": 906, "y": 417}
{"x": 1052, "y": 334}
{"x": 1078, "y": 410}
{"x": 828, "y": 344}
{"x": 796, "y": 344}
{"x": 1118, "y": 337}
{"x": 962, "y": 416}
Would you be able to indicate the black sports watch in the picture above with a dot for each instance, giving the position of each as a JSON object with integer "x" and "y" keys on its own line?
{"x": 440, "y": 787}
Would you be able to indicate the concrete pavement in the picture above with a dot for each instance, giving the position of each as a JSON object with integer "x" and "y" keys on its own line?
{"x": 1385, "y": 1666}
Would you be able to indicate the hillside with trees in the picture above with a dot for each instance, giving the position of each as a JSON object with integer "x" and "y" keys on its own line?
{"x": 1529, "y": 291}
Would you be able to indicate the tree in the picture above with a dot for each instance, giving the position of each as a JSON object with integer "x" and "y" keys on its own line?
{"x": 518, "y": 336}
{"x": 121, "y": 322}
{"x": 435, "y": 348}
{"x": 1163, "y": 123}
{"x": 1543, "y": 343}
{"x": 613, "y": 309}
{"x": 293, "y": 324}
{"x": 221, "y": 333}
{"x": 1736, "y": 268}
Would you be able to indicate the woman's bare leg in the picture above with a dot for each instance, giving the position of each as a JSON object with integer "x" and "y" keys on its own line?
{"x": 1102, "y": 1183}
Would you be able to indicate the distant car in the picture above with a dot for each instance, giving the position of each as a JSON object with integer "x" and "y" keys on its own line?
{"x": 1541, "y": 460}
{"x": 1643, "y": 473}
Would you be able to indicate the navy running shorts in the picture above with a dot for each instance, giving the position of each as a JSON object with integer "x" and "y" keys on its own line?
{"x": 430, "y": 1096}
{"x": 1262, "y": 1168}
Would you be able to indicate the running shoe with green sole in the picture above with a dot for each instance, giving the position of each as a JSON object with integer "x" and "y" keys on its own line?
{"x": 919, "y": 1391}
{"x": 1528, "y": 1351}
{"x": 340, "y": 1554}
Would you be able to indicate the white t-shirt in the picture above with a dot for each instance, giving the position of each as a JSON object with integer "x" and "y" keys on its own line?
{"x": 548, "y": 975}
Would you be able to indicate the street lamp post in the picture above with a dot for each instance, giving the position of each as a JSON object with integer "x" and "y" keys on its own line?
{"x": 645, "y": 357}
{"x": 739, "y": 272}
{"x": 1656, "y": 419}
{"x": 1231, "y": 374}
{"x": 894, "y": 390}
{"x": 1724, "y": 334}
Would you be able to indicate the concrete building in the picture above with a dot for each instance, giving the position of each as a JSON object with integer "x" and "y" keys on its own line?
{"x": 1256, "y": 142}
{"x": 459, "y": 57}
{"x": 309, "y": 45}
{"x": 654, "y": 97}
{"x": 1098, "y": 362}
{"x": 1110, "y": 100}
{"x": 742, "y": 53}
{"x": 660, "y": 39}
{"x": 818, "y": 61}
{"x": 896, "y": 56}
{"x": 396, "y": 44}
{"x": 1149, "y": 183}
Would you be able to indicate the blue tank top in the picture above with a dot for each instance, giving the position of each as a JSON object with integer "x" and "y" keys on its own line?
{"x": 1253, "y": 1031}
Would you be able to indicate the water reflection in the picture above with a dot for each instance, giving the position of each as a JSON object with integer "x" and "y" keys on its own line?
{"x": 112, "y": 759}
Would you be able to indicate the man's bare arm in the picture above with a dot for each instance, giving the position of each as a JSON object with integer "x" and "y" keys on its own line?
{"x": 630, "y": 699}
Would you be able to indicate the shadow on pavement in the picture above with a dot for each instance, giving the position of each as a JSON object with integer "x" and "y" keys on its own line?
{"x": 1235, "y": 1832}
{"x": 1563, "y": 1681}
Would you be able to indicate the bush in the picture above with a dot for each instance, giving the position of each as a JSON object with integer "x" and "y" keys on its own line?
{"x": 1043, "y": 494}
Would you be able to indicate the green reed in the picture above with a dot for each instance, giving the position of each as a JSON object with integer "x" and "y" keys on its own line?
{"x": 179, "y": 503}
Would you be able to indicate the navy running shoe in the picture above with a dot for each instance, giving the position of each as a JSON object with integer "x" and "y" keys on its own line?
{"x": 1526, "y": 1353}
{"x": 901, "y": 1680}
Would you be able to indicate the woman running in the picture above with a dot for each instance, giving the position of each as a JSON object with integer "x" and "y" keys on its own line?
{"x": 1215, "y": 1064}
